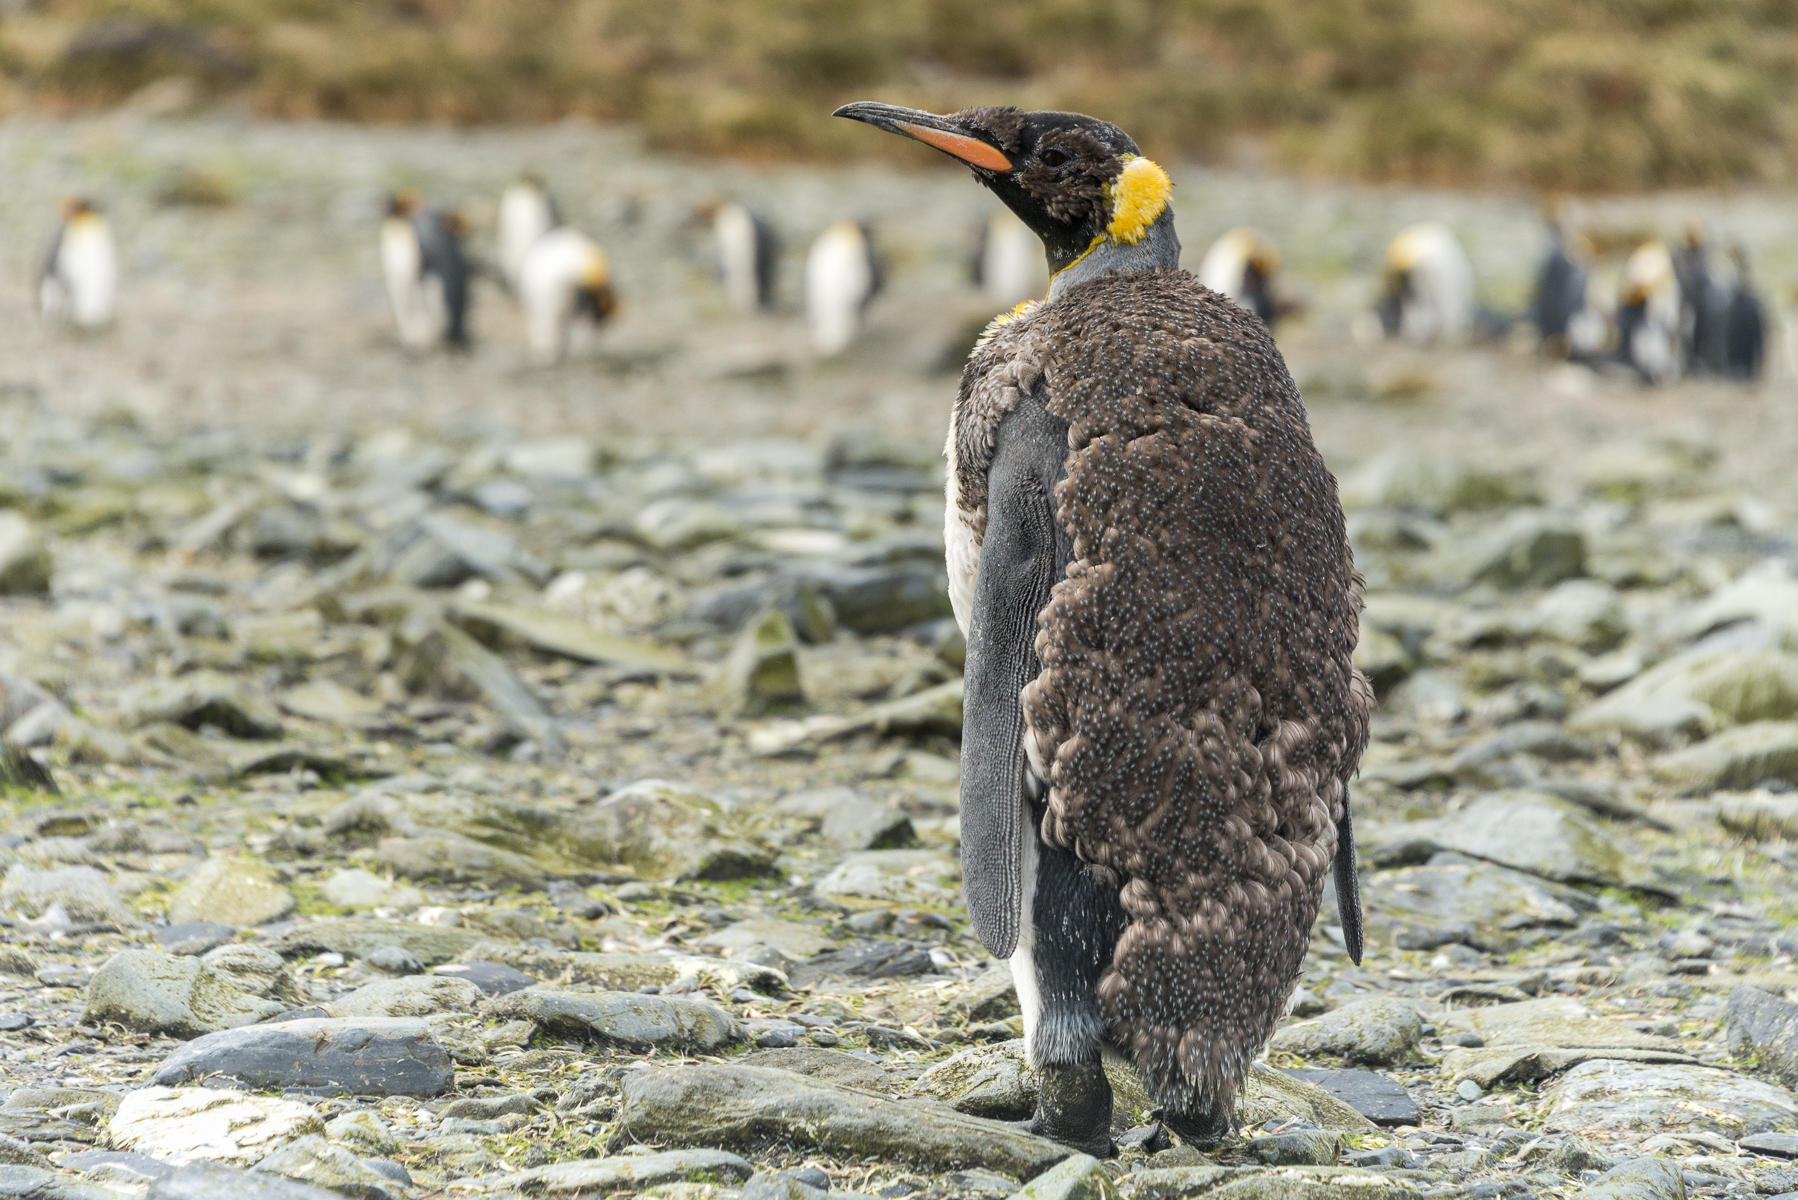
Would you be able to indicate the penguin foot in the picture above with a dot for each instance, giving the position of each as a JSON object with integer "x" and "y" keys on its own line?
{"x": 1205, "y": 1129}
{"x": 1073, "y": 1107}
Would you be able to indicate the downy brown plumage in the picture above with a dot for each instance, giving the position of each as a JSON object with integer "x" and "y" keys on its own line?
{"x": 1147, "y": 553}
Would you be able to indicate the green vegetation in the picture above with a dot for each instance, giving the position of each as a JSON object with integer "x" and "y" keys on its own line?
{"x": 1560, "y": 93}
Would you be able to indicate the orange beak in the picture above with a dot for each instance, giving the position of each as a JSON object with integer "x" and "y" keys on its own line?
{"x": 941, "y": 132}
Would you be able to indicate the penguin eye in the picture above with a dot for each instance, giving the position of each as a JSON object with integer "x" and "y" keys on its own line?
{"x": 1054, "y": 157}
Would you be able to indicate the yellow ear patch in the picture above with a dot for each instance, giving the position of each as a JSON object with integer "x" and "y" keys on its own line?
{"x": 1138, "y": 197}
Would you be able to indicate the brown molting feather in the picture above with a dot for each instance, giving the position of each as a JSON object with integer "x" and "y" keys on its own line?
{"x": 1197, "y": 701}
{"x": 1074, "y": 191}
{"x": 1002, "y": 122}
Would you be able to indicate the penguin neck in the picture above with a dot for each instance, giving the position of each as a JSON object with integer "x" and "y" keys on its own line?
{"x": 1158, "y": 248}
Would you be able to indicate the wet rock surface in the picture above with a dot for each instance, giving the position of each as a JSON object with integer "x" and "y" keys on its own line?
{"x": 432, "y": 776}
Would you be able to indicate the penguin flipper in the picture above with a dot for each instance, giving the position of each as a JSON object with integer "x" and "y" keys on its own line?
{"x": 1018, "y": 558}
{"x": 1348, "y": 884}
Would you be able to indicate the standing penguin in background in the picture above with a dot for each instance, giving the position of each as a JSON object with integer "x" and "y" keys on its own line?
{"x": 842, "y": 275}
{"x": 1148, "y": 557}
{"x": 1701, "y": 303}
{"x": 1007, "y": 263}
{"x": 426, "y": 272}
{"x": 1241, "y": 265}
{"x": 526, "y": 212}
{"x": 78, "y": 283}
{"x": 748, "y": 254}
{"x": 1744, "y": 323}
{"x": 564, "y": 277}
{"x": 1427, "y": 288}
{"x": 1648, "y": 314}
{"x": 1558, "y": 299}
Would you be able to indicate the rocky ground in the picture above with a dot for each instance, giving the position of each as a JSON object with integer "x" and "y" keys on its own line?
{"x": 444, "y": 777}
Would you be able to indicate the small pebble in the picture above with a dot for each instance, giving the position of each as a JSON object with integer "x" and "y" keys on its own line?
{"x": 1468, "y": 1090}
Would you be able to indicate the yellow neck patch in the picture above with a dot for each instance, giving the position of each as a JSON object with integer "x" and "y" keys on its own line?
{"x": 1138, "y": 197}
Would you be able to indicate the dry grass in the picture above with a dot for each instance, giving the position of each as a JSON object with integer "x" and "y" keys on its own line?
{"x": 1578, "y": 94}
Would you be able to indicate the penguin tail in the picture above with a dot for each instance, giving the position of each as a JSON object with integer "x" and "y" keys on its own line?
{"x": 1191, "y": 1002}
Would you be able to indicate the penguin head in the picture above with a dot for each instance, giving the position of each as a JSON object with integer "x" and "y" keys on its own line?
{"x": 71, "y": 208}
{"x": 1075, "y": 180}
{"x": 404, "y": 204}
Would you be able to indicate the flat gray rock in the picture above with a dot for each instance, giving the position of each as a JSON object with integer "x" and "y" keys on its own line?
{"x": 1268, "y": 1183}
{"x": 409, "y": 996}
{"x": 987, "y": 1081}
{"x": 153, "y": 992}
{"x": 623, "y": 1019}
{"x": 1380, "y": 1098}
{"x": 380, "y": 1056}
{"x": 1081, "y": 1177}
{"x": 661, "y": 830}
{"x": 1639, "y": 1179}
{"x": 211, "y": 1181}
{"x": 1736, "y": 758}
{"x": 358, "y": 937}
{"x": 1533, "y": 832}
{"x": 1625, "y": 1100}
{"x": 180, "y": 1125}
{"x": 751, "y": 1107}
{"x": 622, "y": 1173}
{"x": 1483, "y": 905}
{"x": 313, "y": 1160}
{"x": 1375, "y": 1032}
{"x": 830, "y": 1066}
{"x": 83, "y": 894}
{"x": 1764, "y": 1028}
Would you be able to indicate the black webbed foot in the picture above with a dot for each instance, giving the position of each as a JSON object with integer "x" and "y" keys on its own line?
{"x": 1204, "y": 1128}
{"x": 1073, "y": 1107}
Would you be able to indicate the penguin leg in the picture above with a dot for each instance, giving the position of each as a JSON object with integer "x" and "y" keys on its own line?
{"x": 1071, "y": 927}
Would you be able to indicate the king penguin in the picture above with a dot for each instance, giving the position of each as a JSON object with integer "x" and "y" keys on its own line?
{"x": 1744, "y": 322}
{"x": 748, "y": 253}
{"x": 564, "y": 277}
{"x": 426, "y": 272}
{"x": 526, "y": 212}
{"x": 1007, "y": 263}
{"x": 1427, "y": 288}
{"x": 78, "y": 283}
{"x": 1701, "y": 302}
{"x": 1558, "y": 299}
{"x": 1148, "y": 557}
{"x": 842, "y": 275}
{"x": 1241, "y": 264}
{"x": 1648, "y": 314}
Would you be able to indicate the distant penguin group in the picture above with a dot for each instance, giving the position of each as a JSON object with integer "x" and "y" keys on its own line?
{"x": 78, "y": 283}
{"x": 559, "y": 275}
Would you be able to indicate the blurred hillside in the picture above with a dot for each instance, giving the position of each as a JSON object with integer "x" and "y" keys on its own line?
{"x": 1618, "y": 94}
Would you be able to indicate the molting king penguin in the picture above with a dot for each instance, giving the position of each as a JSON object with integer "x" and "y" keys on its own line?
{"x": 426, "y": 273}
{"x": 1241, "y": 265}
{"x": 564, "y": 276}
{"x": 1147, "y": 555}
{"x": 1008, "y": 261}
{"x": 526, "y": 212}
{"x": 1427, "y": 288}
{"x": 1744, "y": 323}
{"x": 1648, "y": 314}
{"x": 748, "y": 254}
{"x": 79, "y": 280}
{"x": 842, "y": 275}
